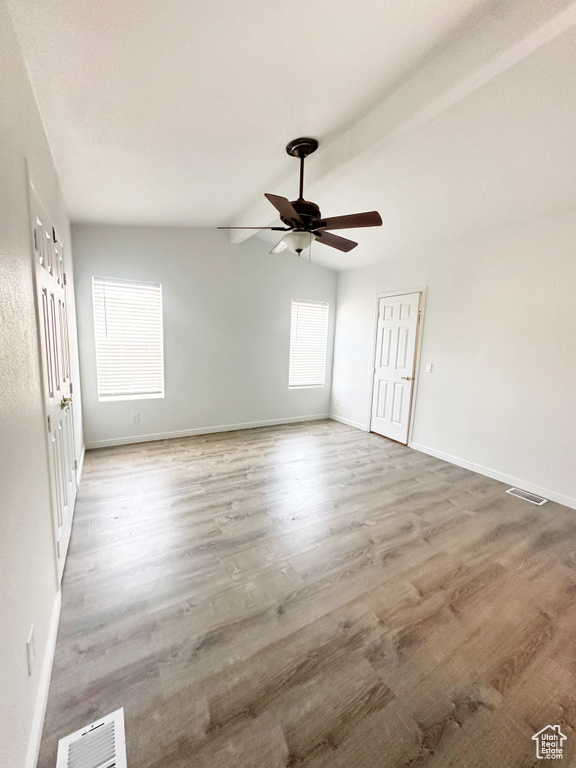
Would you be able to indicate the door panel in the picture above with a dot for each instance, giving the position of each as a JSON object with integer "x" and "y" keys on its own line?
{"x": 386, "y": 347}
{"x": 398, "y": 402}
{"x": 397, "y": 332}
{"x": 402, "y": 348}
{"x": 47, "y": 345}
{"x": 382, "y": 394}
{"x": 54, "y": 343}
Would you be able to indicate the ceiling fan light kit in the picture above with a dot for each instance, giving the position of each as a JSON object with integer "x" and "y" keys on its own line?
{"x": 303, "y": 219}
{"x": 298, "y": 240}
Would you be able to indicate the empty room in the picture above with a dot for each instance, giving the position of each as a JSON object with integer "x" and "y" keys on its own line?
{"x": 287, "y": 384}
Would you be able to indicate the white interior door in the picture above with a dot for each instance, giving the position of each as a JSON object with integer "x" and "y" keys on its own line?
{"x": 394, "y": 366}
{"x": 55, "y": 350}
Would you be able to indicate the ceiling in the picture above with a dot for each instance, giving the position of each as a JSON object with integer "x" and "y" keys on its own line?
{"x": 448, "y": 116}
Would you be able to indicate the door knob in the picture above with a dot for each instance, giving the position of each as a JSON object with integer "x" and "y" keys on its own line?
{"x": 407, "y": 378}
{"x": 66, "y": 401}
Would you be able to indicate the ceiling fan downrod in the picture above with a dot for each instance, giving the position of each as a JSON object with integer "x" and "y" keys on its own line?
{"x": 301, "y": 148}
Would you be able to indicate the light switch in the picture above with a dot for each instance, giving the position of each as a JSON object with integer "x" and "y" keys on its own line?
{"x": 428, "y": 367}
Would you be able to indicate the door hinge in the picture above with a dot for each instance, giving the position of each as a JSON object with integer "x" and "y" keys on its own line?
{"x": 76, "y": 464}
{"x": 35, "y": 239}
{"x": 58, "y": 549}
{"x": 49, "y": 424}
{"x": 54, "y": 238}
{"x": 71, "y": 388}
{"x": 65, "y": 281}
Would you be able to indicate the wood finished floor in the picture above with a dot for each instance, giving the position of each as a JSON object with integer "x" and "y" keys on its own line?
{"x": 312, "y": 595}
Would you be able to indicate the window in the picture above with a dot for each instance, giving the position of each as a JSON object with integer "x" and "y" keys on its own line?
{"x": 308, "y": 338}
{"x": 129, "y": 343}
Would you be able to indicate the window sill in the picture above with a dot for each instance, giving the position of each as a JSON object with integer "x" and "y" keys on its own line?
{"x": 116, "y": 398}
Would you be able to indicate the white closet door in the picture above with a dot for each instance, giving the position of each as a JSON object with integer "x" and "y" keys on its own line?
{"x": 398, "y": 318}
{"x": 57, "y": 389}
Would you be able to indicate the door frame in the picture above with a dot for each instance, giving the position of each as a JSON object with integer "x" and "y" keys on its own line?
{"x": 422, "y": 290}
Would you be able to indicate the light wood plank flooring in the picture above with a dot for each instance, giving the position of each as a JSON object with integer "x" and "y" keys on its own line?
{"x": 312, "y": 595}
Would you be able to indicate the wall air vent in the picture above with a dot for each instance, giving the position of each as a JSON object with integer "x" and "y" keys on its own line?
{"x": 101, "y": 744}
{"x": 531, "y": 497}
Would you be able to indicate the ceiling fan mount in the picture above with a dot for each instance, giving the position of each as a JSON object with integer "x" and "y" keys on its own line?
{"x": 303, "y": 217}
{"x": 302, "y": 147}
{"x": 307, "y": 211}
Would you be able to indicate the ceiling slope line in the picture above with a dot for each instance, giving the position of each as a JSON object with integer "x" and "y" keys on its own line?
{"x": 491, "y": 47}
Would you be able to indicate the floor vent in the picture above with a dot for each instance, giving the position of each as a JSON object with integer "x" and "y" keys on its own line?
{"x": 101, "y": 744}
{"x": 531, "y": 497}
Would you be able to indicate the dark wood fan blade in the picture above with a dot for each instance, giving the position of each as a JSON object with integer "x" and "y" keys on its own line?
{"x": 278, "y": 229}
{"x": 285, "y": 209}
{"x": 335, "y": 241}
{"x": 353, "y": 220}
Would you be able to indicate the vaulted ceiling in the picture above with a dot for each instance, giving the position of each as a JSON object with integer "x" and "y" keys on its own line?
{"x": 448, "y": 116}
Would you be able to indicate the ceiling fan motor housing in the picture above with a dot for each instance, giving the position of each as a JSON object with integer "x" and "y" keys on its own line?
{"x": 308, "y": 212}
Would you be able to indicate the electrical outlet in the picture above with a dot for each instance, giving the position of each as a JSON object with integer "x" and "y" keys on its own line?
{"x": 135, "y": 418}
{"x": 30, "y": 650}
{"x": 337, "y": 401}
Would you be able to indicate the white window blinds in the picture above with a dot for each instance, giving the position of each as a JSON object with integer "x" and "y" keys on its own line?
{"x": 308, "y": 338}
{"x": 129, "y": 343}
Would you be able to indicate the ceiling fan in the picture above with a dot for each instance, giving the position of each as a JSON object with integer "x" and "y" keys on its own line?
{"x": 303, "y": 220}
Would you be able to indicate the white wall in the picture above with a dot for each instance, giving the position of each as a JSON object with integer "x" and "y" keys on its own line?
{"x": 28, "y": 585}
{"x": 226, "y": 329}
{"x": 500, "y": 330}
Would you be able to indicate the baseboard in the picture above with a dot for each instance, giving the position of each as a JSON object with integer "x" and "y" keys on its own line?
{"x": 525, "y": 485}
{"x": 349, "y": 422}
{"x": 43, "y": 686}
{"x": 202, "y": 431}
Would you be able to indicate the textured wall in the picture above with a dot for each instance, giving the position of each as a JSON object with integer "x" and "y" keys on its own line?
{"x": 28, "y": 585}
